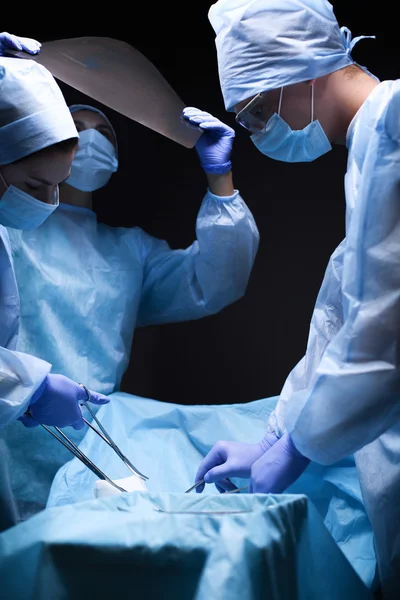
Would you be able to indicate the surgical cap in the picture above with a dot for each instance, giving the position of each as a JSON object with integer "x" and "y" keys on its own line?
{"x": 33, "y": 112}
{"x": 75, "y": 107}
{"x": 267, "y": 44}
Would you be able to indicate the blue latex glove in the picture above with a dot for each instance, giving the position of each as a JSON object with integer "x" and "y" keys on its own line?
{"x": 14, "y": 42}
{"x": 56, "y": 402}
{"x": 214, "y": 147}
{"x": 231, "y": 459}
{"x": 278, "y": 468}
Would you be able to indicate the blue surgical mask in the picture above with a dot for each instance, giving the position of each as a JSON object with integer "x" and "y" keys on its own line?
{"x": 280, "y": 142}
{"x": 94, "y": 162}
{"x": 20, "y": 210}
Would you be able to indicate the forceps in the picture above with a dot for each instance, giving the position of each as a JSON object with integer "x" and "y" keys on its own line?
{"x": 107, "y": 438}
{"x": 73, "y": 448}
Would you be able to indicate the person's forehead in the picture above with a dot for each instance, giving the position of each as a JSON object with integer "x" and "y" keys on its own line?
{"x": 49, "y": 166}
{"x": 51, "y": 154}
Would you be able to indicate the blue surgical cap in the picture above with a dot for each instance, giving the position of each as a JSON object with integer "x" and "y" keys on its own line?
{"x": 75, "y": 107}
{"x": 267, "y": 44}
{"x": 33, "y": 112}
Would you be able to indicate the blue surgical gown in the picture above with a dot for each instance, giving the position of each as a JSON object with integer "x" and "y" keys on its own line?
{"x": 84, "y": 287}
{"x": 344, "y": 395}
{"x": 20, "y": 375}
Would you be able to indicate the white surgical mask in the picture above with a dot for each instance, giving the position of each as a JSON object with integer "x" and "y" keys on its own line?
{"x": 20, "y": 210}
{"x": 279, "y": 141}
{"x": 94, "y": 162}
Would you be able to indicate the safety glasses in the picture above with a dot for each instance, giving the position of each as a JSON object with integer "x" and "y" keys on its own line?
{"x": 251, "y": 115}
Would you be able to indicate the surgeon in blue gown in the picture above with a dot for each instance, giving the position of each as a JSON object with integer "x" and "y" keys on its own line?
{"x": 38, "y": 140}
{"x": 97, "y": 283}
{"x": 286, "y": 70}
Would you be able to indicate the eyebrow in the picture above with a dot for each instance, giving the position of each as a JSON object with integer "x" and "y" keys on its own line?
{"x": 44, "y": 181}
{"x": 98, "y": 127}
{"x": 103, "y": 126}
{"x": 40, "y": 180}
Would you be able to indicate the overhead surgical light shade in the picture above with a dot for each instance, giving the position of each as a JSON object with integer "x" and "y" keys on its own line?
{"x": 119, "y": 76}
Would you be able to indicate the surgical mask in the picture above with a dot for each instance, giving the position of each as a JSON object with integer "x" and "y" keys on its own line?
{"x": 279, "y": 141}
{"x": 20, "y": 210}
{"x": 94, "y": 162}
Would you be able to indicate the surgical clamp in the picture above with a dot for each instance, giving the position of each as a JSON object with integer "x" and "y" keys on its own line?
{"x": 73, "y": 448}
{"x": 107, "y": 438}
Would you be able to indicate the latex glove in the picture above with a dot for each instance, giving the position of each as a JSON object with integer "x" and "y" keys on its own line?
{"x": 14, "y": 42}
{"x": 278, "y": 468}
{"x": 214, "y": 147}
{"x": 231, "y": 459}
{"x": 56, "y": 402}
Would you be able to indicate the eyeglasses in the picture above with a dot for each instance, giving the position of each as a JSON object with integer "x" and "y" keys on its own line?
{"x": 251, "y": 115}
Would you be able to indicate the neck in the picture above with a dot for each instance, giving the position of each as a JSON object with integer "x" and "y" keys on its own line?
{"x": 71, "y": 195}
{"x": 350, "y": 91}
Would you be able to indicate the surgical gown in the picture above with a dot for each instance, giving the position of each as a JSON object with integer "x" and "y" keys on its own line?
{"x": 84, "y": 287}
{"x": 20, "y": 374}
{"x": 344, "y": 395}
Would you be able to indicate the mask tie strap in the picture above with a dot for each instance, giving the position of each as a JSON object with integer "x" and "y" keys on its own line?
{"x": 312, "y": 102}
{"x": 3, "y": 180}
{"x": 280, "y": 102}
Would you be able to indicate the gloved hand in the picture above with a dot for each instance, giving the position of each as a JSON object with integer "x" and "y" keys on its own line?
{"x": 14, "y": 42}
{"x": 231, "y": 459}
{"x": 56, "y": 402}
{"x": 278, "y": 468}
{"x": 214, "y": 147}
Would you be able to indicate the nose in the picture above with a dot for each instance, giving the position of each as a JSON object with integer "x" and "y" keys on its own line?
{"x": 46, "y": 194}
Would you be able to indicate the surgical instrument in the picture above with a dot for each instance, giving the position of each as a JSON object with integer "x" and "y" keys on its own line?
{"x": 202, "y": 481}
{"x": 245, "y": 487}
{"x": 73, "y": 448}
{"x": 107, "y": 438}
{"x": 195, "y": 485}
{"x": 101, "y": 432}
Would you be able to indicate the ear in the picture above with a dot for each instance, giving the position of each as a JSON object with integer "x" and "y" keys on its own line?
{"x": 310, "y": 81}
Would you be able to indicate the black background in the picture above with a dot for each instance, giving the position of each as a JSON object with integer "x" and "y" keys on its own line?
{"x": 246, "y": 351}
